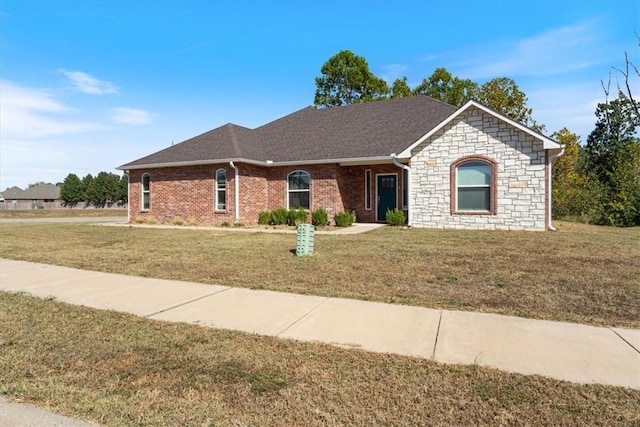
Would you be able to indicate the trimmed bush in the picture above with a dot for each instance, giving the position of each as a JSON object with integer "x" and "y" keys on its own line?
{"x": 395, "y": 217}
{"x": 296, "y": 216}
{"x": 320, "y": 218}
{"x": 264, "y": 217}
{"x": 345, "y": 219}
{"x": 279, "y": 216}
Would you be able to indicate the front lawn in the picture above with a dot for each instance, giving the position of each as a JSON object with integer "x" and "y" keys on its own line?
{"x": 582, "y": 273}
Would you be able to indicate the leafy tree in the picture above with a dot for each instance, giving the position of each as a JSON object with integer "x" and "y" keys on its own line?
{"x": 88, "y": 188}
{"x": 123, "y": 189}
{"x": 105, "y": 189}
{"x": 504, "y": 96}
{"x": 38, "y": 184}
{"x": 400, "y": 88}
{"x": 443, "y": 86}
{"x": 610, "y": 140}
{"x": 574, "y": 195}
{"x": 346, "y": 80}
{"x": 612, "y": 157}
{"x": 71, "y": 190}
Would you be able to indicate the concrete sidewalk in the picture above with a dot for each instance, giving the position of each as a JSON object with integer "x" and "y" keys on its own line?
{"x": 571, "y": 352}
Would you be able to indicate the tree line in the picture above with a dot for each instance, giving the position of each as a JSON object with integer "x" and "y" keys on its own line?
{"x": 106, "y": 189}
{"x": 597, "y": 182}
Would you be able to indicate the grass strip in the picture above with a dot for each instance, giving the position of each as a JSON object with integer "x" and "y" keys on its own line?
{"x": 120, "y": 370}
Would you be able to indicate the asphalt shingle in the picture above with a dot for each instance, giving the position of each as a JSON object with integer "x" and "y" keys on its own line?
{"x": 373, "y": 129}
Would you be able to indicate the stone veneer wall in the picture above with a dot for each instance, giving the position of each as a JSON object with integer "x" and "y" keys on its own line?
{"x": 521, "y": 175}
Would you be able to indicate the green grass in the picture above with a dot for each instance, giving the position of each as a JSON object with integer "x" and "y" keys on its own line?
{"x": 120, "y": 370}
{"x": 582, "y": 273}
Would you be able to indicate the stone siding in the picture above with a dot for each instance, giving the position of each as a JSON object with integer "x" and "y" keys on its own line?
{"x": 520, "y": 187}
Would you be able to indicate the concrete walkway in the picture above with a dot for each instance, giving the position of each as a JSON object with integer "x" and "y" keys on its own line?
{"x": 565, "y": 351}
{"x": 356, "y": 228}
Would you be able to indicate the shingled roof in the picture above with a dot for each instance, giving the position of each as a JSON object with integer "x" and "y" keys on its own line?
{"x": 38, "y": 192}
{"x": 362, "y": 131}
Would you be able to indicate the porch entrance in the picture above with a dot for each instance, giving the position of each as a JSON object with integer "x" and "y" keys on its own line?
{"x": 386, "y": 195}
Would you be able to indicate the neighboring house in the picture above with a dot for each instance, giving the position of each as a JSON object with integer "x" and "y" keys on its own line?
{"x": 37, "y": 197}
{"x": 446, "y": 167}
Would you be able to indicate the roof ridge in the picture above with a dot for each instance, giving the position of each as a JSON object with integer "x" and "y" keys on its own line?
{"x": 234, "y": 139}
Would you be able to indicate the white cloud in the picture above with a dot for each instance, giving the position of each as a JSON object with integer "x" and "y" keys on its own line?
{"x": 559, "y": 50}
{"x": 86, "y": 83}
{"x": 570, "y": 105}
{"x": 392, "y": 72}
{"x": 131, "y": 116}
{"x": 35, "y": 113}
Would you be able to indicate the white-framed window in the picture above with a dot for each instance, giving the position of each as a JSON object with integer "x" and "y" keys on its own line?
{"x": 145, "y": 195}
{"x": 474, "y": 186}
{"x": 298, "y": 190}
{"x": 220, "y": 201}
{"x": 367, "y": 189}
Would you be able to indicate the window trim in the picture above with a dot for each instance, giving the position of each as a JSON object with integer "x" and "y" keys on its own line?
{"x": 217, "y": 190}
{"x": 367, "y": 190}
{"x": 493, "y": 186}
{"x": 143, "y": 192}
{"x": 289, "y": 191}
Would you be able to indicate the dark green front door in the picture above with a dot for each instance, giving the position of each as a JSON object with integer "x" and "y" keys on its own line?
{"x": 387, "y": 195}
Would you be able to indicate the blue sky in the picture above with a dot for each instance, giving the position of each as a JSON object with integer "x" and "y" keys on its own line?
{"x": 86, "y": 86}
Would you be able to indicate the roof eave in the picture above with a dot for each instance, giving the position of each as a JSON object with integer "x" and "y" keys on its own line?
{"x": 349, "y": 161}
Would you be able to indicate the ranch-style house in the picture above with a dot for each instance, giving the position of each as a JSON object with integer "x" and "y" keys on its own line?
{"x": 446, "y": 167}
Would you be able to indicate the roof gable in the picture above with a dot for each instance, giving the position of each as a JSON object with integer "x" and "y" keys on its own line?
{"x": 548, "y": 143}
{"x": 226, "y": 142}
{"x": 38, "y": 192}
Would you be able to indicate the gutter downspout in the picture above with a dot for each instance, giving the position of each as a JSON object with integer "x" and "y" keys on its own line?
{"x": 551, "y": 159}
{"x": 237, "y": 190}
{"x": 394, "y": 157}
{"x": 128, "y": 196}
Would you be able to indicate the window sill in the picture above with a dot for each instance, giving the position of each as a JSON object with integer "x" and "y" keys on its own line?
{"x": 474, "y": 213}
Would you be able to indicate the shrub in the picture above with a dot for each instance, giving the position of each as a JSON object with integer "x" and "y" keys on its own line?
{"x": 296, "y": 216}
{"x": 264, "y": 217}
{"x": 279, "y": 216}
{"x": 345, "y": 219}
{"x": 225, "y": 224}
{"x": 319, "y": 217}
{"x": 395, "y": 217}
{"x": 238, "y": 224}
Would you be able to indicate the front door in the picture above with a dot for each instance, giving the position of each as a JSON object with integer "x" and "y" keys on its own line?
{"x": 387, "y": 195}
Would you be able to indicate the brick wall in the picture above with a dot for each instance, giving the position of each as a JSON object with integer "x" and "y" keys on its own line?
{"x": 187, "y": 193}
{"x": 520, "y": 187}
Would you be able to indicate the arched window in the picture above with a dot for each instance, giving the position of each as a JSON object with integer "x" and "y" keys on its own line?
{"x": 146, "y": 192}
{"x": 221, "y": 190}
{"x": 474, "y": 186}
{"x": 298, "y": 183}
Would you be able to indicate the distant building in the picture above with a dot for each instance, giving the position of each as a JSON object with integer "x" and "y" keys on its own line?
{"x": 38, "y": 197}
